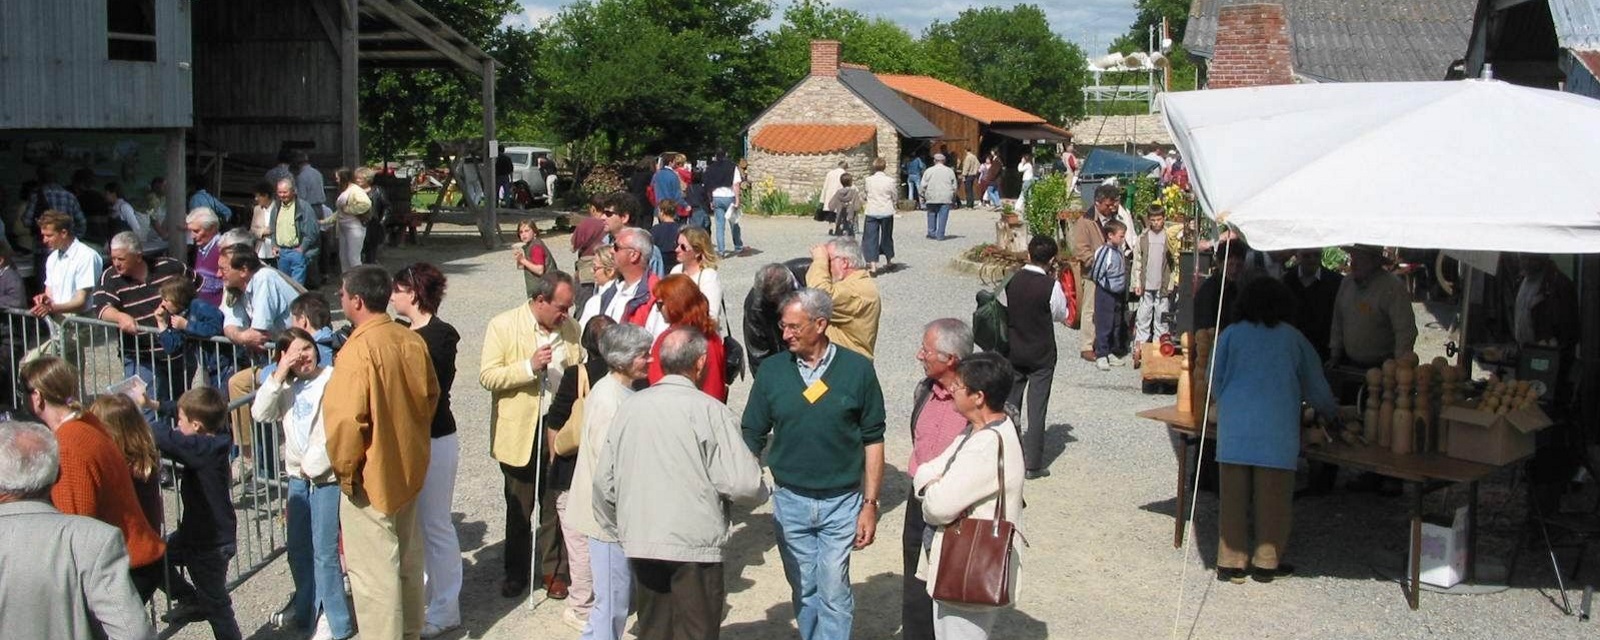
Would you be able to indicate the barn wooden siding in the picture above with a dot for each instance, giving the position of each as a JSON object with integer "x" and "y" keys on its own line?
{"x": 55, "y": 73}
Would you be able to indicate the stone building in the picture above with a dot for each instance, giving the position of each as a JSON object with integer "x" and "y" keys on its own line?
{"x": 838, "y": 112}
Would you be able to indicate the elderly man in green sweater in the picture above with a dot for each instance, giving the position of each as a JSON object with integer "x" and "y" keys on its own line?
{"x": 826, "y": 406}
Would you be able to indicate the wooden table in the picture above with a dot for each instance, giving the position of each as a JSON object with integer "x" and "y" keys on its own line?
{"x": 1426, "y": 472}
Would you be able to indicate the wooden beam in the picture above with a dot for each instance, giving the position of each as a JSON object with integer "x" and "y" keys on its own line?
{"x": 415, "y": 55}
{"x": 326, "y": 20}
{"x": 400, "y": 18}
{"x": 490, "y": 224}
{"x": 175, "y": 226}
{"x": 1502, "y": 5}
{"x": 349, "y": 96}
{"x": 385, "y": 36}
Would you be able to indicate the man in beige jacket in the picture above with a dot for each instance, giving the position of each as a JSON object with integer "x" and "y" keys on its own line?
{"x": 525, "y": 349}
{"x": 1087, "y": 236}
{"x": 839, "y": 270}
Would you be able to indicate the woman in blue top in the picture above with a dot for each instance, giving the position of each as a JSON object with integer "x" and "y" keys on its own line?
{"x": 1263, "y": 368}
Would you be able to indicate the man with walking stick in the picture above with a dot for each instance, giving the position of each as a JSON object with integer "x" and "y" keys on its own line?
{"x": 525, "y": 349}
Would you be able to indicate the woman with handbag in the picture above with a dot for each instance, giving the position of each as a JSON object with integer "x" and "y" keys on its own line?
{"x": 418, "y": 291}
{"x": 682, "y": 305}
{"x": 354, "y": 205}
{"x": 564, "y": 431}
{"x": 972, "y": 498}
{"x": 625, "y": 350}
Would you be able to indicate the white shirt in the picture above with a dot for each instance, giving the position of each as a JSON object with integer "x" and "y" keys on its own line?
{"x": 1027, "y": 170}
{"x": 1058, "y": 300}
{"x": 710, "y": 283}
{"x": 68, "y": 272}
{"x": 591, "y": 307}
{"x": 619, "y": 301}
{"x": 881, "y": 192}
{"x": 831, "y": 184}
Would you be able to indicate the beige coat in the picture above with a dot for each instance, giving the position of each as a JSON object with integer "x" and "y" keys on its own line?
{"x": 970, "y": 486}
{"x": 856, "y": 307}
{"x": 518, "y": 394}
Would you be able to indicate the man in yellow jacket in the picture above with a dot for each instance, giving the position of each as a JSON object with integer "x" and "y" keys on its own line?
{"x": 377, "y": 410}
{"x": 839, "y": 270}
{"x": 525, "y": 349}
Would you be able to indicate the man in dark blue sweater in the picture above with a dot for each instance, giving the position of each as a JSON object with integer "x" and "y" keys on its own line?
{"x": 827, "y": 407}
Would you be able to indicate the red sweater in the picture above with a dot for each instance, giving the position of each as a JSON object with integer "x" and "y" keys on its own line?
{"x": 713, "y": 382}
{"x": 95, "y": 482}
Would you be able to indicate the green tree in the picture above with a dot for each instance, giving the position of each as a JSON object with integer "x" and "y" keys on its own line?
{"x": 1151, "y": 12}
{"x": 1010, "y": 55}
{"x": 648, "y": 74}
{"x": 878, "y": 43}
{"x": 403, "y": 109}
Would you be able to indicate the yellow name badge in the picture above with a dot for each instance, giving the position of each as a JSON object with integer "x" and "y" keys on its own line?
{"x": 815, "y": 391}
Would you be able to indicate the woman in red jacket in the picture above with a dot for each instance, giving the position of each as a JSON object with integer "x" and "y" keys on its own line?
{"x": 683, "y": 305}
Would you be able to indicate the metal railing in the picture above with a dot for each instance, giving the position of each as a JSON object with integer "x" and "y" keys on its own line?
{"x": 106, "y": 357}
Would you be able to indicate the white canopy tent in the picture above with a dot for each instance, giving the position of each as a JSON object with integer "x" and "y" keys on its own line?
{"x": 1468, "y": 165}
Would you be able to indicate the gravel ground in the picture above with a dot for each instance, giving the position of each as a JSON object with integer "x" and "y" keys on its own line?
{"x": 1101, "y": 562}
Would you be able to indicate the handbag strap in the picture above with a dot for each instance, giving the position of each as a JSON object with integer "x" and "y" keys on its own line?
{"x": 583, "y": 381}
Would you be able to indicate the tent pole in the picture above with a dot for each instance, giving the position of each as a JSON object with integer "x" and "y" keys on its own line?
{"x": 1464, "y": 359}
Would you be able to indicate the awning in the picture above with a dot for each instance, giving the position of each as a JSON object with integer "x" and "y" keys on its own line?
{"x": 1032, "y": 132}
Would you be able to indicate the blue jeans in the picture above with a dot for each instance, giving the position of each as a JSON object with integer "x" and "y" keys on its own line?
{"x": 698, "y": 219}
{"x": 992, "y": 195}
{"x": 313, "y": 545}
{"x": 719, "y": 210}
{"x": 292, "y": 262}
{"x": 613, "y": 591}
{"x": 938, "y": 217}
{"x": 815, "y": 537}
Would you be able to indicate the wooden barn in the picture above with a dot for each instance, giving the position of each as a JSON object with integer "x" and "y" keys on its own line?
{"x": 211, "y": 88}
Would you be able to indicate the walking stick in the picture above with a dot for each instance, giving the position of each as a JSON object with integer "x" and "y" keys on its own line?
{"x": 538, "y": 472}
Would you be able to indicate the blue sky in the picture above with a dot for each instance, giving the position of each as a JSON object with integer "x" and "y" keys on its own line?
{"x": 1090, "y": 23}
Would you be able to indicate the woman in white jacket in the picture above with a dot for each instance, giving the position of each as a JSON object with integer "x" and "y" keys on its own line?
{"x": 626, "y": 349}
{"x": 963, "y": 481}
{"x": 292, "y": 395}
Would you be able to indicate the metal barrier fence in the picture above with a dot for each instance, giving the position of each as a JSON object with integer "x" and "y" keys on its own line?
{"x": 106, "y": 358}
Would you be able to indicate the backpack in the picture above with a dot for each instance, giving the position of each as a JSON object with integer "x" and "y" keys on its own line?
{"x": 990, "y": 318}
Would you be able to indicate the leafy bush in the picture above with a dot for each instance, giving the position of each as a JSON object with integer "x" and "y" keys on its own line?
{"x": 772, "y": 201}
{"x": 602, "y": 180}
{"x": 1049, "y": 195}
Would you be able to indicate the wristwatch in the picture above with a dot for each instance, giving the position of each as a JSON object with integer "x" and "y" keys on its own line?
{"x": 872, "y": 501}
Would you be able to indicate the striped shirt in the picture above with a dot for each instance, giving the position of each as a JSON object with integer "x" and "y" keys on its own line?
{"x": 140, "y": 299}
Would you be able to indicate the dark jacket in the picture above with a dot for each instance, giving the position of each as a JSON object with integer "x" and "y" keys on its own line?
{"x": 561, "y": 406}
{"x": 1030, "y": 332}
{"x": 1313, "y": 312}
{"x": 719, "y": 174}
{"x": 762, "y": 337}
{"x": 1212, "y": 294}
{"x": 205, "y": 321}
{"x": 305, "y": 222}
{"x": 208, "y": 520}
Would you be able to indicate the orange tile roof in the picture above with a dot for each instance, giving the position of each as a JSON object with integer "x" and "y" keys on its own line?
{"x": 954, "y": 98}
{"x": 810, "y": 139}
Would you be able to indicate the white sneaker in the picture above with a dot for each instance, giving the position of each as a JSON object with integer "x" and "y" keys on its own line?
{"x": 572, "y": 619}
{"x": 1102, "y": 364}
{"x": 323, "y": 632}
{"x": 1117, "y": 361}
{"x": 431, "y": 630}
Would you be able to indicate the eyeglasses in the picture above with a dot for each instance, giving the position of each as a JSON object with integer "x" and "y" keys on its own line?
{"x": 684, "y": 247}
{"x": 923, "y": 352}
{"x": 611, "y": 212}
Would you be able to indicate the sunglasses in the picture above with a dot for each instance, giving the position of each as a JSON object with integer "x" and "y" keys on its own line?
{"x": 611, "y": 212}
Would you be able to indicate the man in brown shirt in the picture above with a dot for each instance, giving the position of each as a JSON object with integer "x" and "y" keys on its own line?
{"x": 378, "y": 409}
{"x": 1087, "y": 236}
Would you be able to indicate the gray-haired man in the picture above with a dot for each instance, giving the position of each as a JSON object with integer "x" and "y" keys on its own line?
{"x": 935, "y": 424}
{"x": 665, "y": 492}
{"x": 129, "y": 295}
{"x": 65, "y": 576}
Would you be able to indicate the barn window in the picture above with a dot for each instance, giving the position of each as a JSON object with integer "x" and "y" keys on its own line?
{"x": 131, "y": 30}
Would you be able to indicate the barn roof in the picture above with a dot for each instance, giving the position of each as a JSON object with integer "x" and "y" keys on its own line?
{"x": 888, "y": 104}
{"x": 1359, "y": 40}
{"x": 954, "y": 98}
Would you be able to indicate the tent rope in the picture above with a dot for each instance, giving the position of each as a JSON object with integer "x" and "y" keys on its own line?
{"x": 1194, "y": 482}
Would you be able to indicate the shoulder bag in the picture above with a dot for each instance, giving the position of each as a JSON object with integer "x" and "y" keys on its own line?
{"x": 571, "y": 434}
{"x": 975, "y": 556}
{"x": 732, "y": 351}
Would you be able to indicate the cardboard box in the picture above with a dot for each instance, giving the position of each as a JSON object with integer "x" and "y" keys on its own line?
{"x": 1491, "y": 438}
{"x": 1444, "y": 551}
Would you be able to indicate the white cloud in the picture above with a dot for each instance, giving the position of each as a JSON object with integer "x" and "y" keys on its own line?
{"x": 1093, "y": 24}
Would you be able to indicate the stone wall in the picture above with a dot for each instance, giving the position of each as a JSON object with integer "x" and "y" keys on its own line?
{"x": 819, "y": 100}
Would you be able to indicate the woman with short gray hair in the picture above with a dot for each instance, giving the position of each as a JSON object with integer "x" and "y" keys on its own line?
{"x": 626, "y": 349}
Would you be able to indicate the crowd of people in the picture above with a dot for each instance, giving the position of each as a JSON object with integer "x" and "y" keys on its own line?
{"x": 604, "y": 509}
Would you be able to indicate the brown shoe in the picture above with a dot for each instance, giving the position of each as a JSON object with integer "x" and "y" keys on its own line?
{"x": 555, "y": 587}
{"x": 1087, "y": 355}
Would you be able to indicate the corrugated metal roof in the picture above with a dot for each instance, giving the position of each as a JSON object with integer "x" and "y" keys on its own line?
{"x": 888, "y": 104}
{"x": 1577, "y": 23}
{"x": 1359, "y": 40}
{"x": 954, "y": 98}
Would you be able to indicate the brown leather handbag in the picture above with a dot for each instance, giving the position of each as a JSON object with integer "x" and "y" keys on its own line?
{"x": 975, "y": 556}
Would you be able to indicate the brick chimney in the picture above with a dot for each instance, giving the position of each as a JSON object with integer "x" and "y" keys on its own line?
{"x": 825, "y": 58}
{"x": 1253, "y": 47}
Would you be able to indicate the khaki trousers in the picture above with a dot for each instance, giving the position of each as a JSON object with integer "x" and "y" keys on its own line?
{"x": 384, "y": 556}
{"x": 1086, "y": 291}
{"x": 1270, "y": 492}
{"x": 240, "y": 385}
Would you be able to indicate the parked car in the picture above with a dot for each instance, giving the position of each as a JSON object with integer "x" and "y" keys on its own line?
{"x": 528, "y": 182}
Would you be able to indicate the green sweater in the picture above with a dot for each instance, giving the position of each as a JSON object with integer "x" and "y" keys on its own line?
{"x": 819, "y": 446}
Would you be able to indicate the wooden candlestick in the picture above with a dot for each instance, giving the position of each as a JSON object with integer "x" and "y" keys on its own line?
{"x": 1369, "y": 423}
{"x": 1185, "y": 378}
{"x": 1402, "y": 426}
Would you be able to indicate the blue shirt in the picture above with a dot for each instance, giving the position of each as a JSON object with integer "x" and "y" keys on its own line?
{"x": 203, "y": 199}
{"x": 810, "y": 375}
{"x": 265, "y": 303}
{"x": 668, "y": 186}
{"x": 1260, "y": 376}
{"x": 915, "y": 167}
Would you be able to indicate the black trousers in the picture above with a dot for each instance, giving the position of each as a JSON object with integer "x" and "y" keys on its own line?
{"x": 208, "y": 568}
{"x": 520, "y": 489}
{"x": 916, "y": 607}
{"x": 678, "y": 600}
